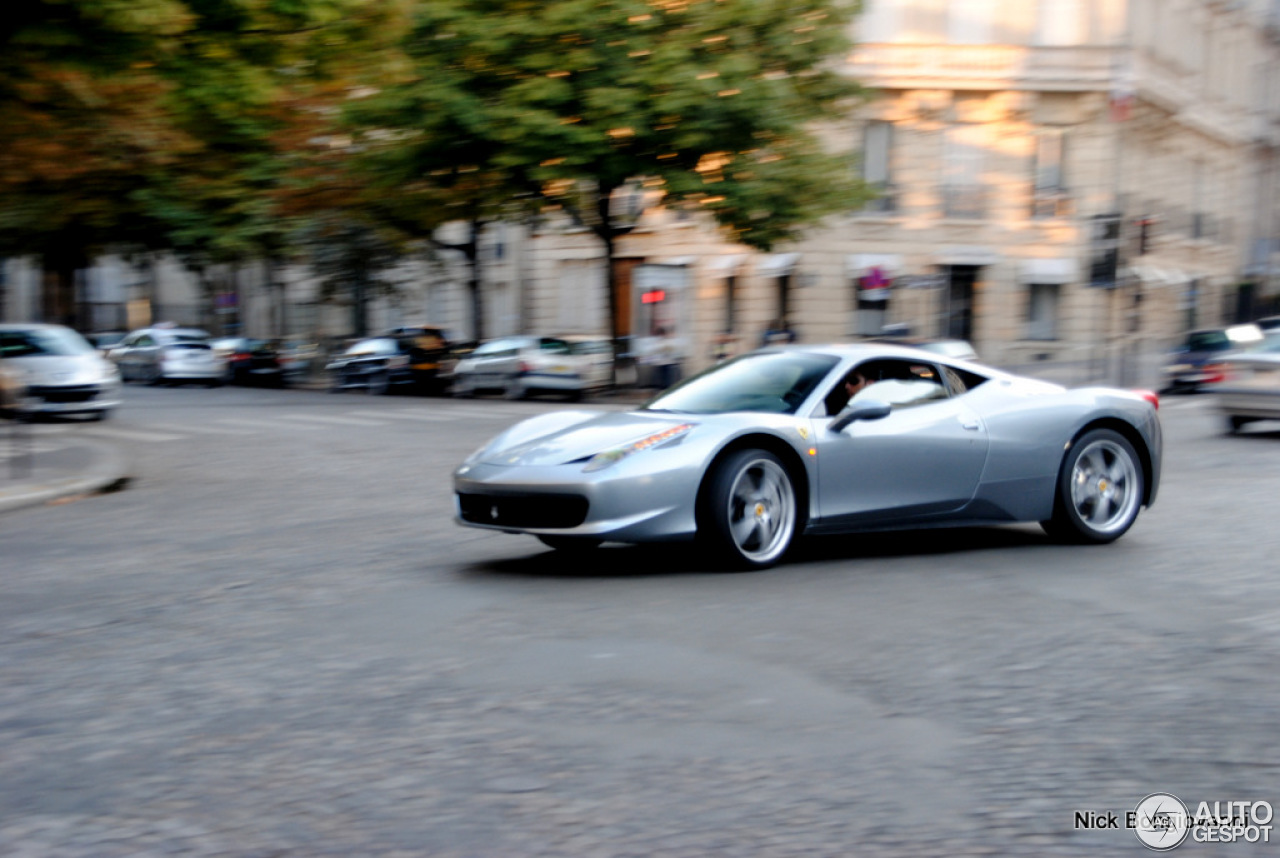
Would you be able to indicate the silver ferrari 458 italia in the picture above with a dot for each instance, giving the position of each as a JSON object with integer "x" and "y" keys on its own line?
{"x": 759, "y": 450}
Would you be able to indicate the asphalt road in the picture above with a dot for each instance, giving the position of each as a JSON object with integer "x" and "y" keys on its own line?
{"x": 275, "y": 642}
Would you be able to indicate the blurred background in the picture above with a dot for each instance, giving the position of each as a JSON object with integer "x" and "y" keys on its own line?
{"x": 1066, "y": 183}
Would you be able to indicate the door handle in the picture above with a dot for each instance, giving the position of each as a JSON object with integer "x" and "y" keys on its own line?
{"x": 969, "y": 423}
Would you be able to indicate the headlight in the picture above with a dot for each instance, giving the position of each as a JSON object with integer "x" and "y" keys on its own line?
{"x": 603, "y": 460}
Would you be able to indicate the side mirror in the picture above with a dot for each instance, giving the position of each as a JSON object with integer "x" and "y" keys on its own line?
{"x": 870, "y": 409}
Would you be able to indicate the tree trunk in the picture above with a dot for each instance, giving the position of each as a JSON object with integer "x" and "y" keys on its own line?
{"x": 474, "y": 283}
{"x": 359, "y": 320}
{"x": 59, "y": 303}
{"x": 607, "y": 235}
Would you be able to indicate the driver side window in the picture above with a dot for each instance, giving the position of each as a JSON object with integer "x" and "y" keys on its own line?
{"x": 899, "y": 383}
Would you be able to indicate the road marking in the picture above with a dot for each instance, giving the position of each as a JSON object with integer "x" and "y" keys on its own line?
{"x": 404, "y": 415}
{"x": 132, "y": 434}
{"x": 18, "y": 450}
{"x": 262, "y": 423}
{"x": 331, "y": 421}
{"x": 201, "y": 428}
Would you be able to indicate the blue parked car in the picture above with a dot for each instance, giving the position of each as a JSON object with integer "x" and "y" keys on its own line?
{"x": 1199, "y": 360}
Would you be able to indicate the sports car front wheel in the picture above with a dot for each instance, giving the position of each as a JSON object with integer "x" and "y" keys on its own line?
{"x": 1100, "y": 489}
{"x": 751, "y": 509}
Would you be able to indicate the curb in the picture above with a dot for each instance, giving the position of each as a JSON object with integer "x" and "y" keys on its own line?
{"x": 110, "y": 472}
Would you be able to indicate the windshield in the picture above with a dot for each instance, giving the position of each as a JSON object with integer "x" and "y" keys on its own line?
{"x": 1208, "y": 341}
{"x": 373, "y": 347}
{"x": 768, "y": 382}
{"x": 43, "y": 341}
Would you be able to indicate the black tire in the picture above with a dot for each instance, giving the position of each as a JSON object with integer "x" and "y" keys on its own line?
{"x": 1235, "y": 423}
{"x": 1100, "y": 489}
{"x": 100, "y": 415}
{"x": 379, "y": 384}
{"x": 570, "y": 544}
{"x": 155, "y": 377}
{"x": 515, "y": 390}
{"x": 750, "y": 510}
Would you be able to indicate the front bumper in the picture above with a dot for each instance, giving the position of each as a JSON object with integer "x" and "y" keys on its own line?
{"x": 626, "y": 506}
{"x": 72, "y": 398}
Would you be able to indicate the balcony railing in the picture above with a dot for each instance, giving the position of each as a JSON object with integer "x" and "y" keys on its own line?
{"x": 985, "y": 66}
{"x": 885, "y": 202}
{"x": 1050, "y": 204}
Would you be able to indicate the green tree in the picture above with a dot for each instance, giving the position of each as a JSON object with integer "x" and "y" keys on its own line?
{"x": 149, "y": 123}
{"x": 714, "y": 102}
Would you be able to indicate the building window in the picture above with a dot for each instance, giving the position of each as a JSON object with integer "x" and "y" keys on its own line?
{"x": 877, "y": 166}
{"x": 963, "y": 193}
{"x": 1042, "y": 311}
{"x": 730, "y": 303}
{"x": 1048, "y": 178}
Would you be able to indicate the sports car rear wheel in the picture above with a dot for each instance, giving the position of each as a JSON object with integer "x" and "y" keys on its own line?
{"x": 751, "y": 509}
{"x": 1100, "y": 489}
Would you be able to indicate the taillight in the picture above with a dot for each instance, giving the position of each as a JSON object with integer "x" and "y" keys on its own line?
{"x": 1150, "y": 396}
{"x": 525, "y": 367}
{"x": 241, "y": 356}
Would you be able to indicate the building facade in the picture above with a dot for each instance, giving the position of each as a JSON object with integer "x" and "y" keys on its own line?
{"x": 1061, "y": 180}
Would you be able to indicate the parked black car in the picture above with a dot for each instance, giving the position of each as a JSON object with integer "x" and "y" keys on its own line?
{"x": 416, "y": 358}
{"x": 251, "y": 361}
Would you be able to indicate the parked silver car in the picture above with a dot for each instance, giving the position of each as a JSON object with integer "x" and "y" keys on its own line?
{"x": 1248, "y": 388}
{"x": 761, "y": 449}
{"x": 62, "y": 372}
{"x": 521, "y": 366}
{"x": 163, "y": 354}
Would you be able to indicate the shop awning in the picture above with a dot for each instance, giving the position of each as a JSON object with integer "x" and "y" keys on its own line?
{"x": 1154, "y": 275}
{"x": 1049, "y": 271}
{"x": 777, "y": 264}
{"x": 725, "y": 266}
{"x": 967, "y": 255}
{"x": 859, "y": 264}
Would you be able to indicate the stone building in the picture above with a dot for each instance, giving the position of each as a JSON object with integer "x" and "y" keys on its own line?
{"x": 1028, "y": 154}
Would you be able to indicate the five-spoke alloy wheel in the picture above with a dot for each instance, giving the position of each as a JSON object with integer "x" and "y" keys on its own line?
{"x": 751, "y": 509}
{"x": 1100, "y": 489}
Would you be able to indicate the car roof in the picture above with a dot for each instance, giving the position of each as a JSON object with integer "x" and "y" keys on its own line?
{"x": 862, "y": 350}
{"x": 31, "y": 326}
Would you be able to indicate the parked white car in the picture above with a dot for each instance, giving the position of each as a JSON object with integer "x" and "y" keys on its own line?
{"x": 167, "y": 353}
{"x": 595, "y": 356}
{"x": 520, "y": 367}
{"x": 62, "y": 372}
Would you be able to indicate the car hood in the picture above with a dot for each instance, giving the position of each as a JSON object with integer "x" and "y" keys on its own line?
{"x": 60, "y": 369}
{"x": 560, "y": 437}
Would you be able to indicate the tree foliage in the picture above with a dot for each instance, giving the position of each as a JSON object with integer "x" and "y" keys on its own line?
{"x": 149, "y": 123}
{"x": 715, "y": 103}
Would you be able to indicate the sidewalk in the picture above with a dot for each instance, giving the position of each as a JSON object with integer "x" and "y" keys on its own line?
{"x": 32, "y": 474}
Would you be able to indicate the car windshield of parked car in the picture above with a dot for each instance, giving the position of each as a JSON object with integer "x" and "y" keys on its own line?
{"x": 188, "y": 335}
{"x": 769, "y": 382}
{"x": 43, "y": 341}
{"x": 1208, "y": 341}
{"x": 373, "y": 347}
{"x": 551, "y": 345}
{"x": 590, "y": 347}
